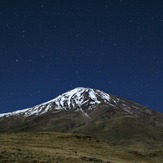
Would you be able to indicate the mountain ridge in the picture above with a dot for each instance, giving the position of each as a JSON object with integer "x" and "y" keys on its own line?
{"x": 90, "y": 112}
{"x": 71, "y": 99}
{"x": 60, "y": 101}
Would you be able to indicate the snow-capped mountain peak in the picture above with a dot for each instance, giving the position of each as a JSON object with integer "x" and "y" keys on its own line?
{"x": 80, "y": 96}
{"x": 76, "y": 99}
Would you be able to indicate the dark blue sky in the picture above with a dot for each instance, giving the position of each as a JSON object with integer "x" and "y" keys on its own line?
{"x": 48, "y": 47}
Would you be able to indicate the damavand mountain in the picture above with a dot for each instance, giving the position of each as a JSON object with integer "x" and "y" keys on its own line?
{"x": 90, "y": 112}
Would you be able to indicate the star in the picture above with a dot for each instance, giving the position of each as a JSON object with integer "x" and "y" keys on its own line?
{"x": 76, "y": 34}
{"x": 131, "y": 21}
{"x": 115, "y": 44}
{"x": 76, "y": 72}
{"x": 140, "y": 38}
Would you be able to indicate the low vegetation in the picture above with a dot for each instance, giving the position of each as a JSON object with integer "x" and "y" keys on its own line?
{"x": 47, "y": 147}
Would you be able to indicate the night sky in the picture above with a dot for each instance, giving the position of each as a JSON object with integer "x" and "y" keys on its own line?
{"x": 48, "y": 47}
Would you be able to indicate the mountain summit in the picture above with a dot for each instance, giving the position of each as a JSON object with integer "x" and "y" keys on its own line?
{"x": 80, "y": 99}
{"x": 88, "y": 111}
{"x": 76, "y": 99}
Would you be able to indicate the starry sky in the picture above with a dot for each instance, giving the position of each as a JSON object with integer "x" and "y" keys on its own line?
{"x": 48, "y": 47}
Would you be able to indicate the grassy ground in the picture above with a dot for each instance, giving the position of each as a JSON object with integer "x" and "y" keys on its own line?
{"x": 47, "y": 147}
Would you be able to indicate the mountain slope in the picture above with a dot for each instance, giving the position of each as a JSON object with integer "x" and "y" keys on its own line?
{"x": 91, "y": 112}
